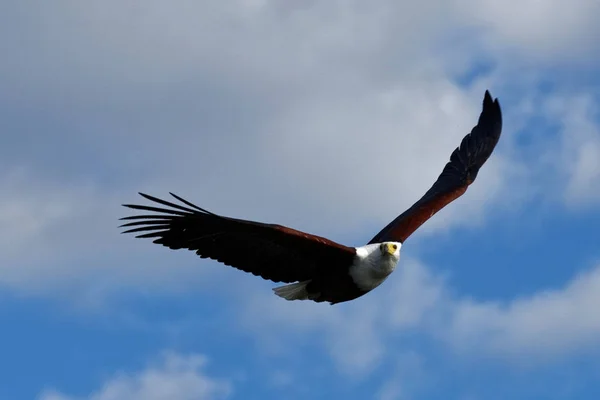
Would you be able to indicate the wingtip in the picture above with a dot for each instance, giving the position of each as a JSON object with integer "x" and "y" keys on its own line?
{"x": 491, "y": 107}
{"x": 146, "y": 196}
{"x": 488, "y": 99}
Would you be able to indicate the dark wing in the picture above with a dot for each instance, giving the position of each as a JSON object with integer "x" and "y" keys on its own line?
{"x": 458, "y": 174}
{"x": 273, "y": 252}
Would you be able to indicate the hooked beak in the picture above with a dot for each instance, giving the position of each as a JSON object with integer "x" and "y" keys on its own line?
{"x": 389, "y": 249}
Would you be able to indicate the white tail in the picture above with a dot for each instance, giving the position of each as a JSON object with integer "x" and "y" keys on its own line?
{"x": 293, "y": 291}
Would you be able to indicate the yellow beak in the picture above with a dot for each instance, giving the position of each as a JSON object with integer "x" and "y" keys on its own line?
{"x": 390, "y": 248}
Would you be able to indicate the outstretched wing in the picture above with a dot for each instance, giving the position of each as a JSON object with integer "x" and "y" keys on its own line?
{"x": 458, "y": 174}
{"x": 273, "y": 252}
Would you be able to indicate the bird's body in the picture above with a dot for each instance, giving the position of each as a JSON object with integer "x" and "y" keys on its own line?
{"x": 374, "y": 263}
{"x": 313, "y": 267}
{"x": 371, "y": 265}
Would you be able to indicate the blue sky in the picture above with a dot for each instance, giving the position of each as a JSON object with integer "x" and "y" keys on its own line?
{"x": 331, "y": 117}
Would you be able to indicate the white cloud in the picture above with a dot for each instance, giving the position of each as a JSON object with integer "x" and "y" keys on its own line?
{"x": 328, "y": 117}
{"x": 258, "y": 110}
{"x": 354, "y": 333}
{"x": 281, "y": 378}
{"x": 35, "y": 216}
{"x": 533, "y": 329}
{"x": 56, "y": 235}
{"x": 543, "y": 325}
{"x": 28, "y": 210}
{"x": 407, "y": 377}
{"x": 540, "y": 31}
{"x": 176, "y": 377}
{"x": 579, "y": 153}
{"x": 350, "y": 335}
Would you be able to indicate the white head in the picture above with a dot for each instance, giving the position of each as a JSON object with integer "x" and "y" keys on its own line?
{"x": 376, "y": 261}
{"x": 390, "y": 249}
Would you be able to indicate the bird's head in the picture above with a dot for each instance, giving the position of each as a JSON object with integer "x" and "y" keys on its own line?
{"x": 391, "y": 249}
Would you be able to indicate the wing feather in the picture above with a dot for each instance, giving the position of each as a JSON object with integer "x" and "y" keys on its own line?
{"x": 461, "y": 171}
{"x": 274, "y": 252}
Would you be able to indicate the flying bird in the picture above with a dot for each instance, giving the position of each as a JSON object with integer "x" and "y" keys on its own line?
{"x": 313, "y": 267}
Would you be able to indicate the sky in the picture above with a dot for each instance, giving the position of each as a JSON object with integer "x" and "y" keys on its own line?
{"x": 328, "y": 116}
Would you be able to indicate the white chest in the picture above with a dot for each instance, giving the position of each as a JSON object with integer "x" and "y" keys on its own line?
{"x": 369, "y": 271}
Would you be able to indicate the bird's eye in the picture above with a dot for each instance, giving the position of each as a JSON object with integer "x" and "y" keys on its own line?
{"x": 394, "y": 247}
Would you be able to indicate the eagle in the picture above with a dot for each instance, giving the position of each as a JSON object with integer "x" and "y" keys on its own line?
{"x": 313, "y": 267}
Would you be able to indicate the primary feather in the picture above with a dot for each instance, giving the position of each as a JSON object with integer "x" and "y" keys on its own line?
{"x": 274, "y": 252}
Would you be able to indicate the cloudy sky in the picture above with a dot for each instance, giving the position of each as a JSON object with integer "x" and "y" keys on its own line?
{"x": 329, "y": 116}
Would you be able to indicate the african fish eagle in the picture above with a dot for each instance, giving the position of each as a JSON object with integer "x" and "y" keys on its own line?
{"x": 313, "y": 267}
